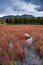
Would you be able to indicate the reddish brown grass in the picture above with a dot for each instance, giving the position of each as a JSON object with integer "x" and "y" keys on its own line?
{"x": 16, "y": 34}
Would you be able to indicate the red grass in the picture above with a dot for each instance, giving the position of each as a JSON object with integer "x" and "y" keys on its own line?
{"x": 16, "y": 34}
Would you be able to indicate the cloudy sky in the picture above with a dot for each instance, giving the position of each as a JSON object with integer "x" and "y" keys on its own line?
{"x": 19, "y": 7}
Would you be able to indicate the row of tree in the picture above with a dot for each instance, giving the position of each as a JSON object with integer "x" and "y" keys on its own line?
{"x": 38, "y": 20}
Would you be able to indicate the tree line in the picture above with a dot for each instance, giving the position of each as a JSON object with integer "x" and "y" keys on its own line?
{"x": 38, "y": 20}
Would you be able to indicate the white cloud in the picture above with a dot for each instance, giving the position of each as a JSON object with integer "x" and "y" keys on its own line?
{"x": 38, "y": 14}
{"x": 1, "y": 15}
{"x": 21, "y": 8}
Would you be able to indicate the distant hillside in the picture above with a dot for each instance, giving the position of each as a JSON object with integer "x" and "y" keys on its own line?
{"x": 25, "y": 15}
{"x": 11, "y": 16}
{"x": 23, "y": 19}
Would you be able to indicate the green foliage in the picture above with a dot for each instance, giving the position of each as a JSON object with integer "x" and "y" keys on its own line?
{"x": 9, "y": 21}
{"x": 15, "y": 21}
{"x": 12, "y": 62}
{"x": 2, "y": 52}
{"x": 38, "y": 20}
{"x": 2, "y": 22}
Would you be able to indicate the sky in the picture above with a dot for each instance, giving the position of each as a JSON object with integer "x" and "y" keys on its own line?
{"x": 20, "y": 7}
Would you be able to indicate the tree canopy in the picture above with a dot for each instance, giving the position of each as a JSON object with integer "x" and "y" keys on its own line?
{"x": 38, "y": 20}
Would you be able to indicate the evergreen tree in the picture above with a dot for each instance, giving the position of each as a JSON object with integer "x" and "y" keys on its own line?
{"x": 7, "y": 21}
{"x": 15, "y": 21}
{"x": 11, "y": 21}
